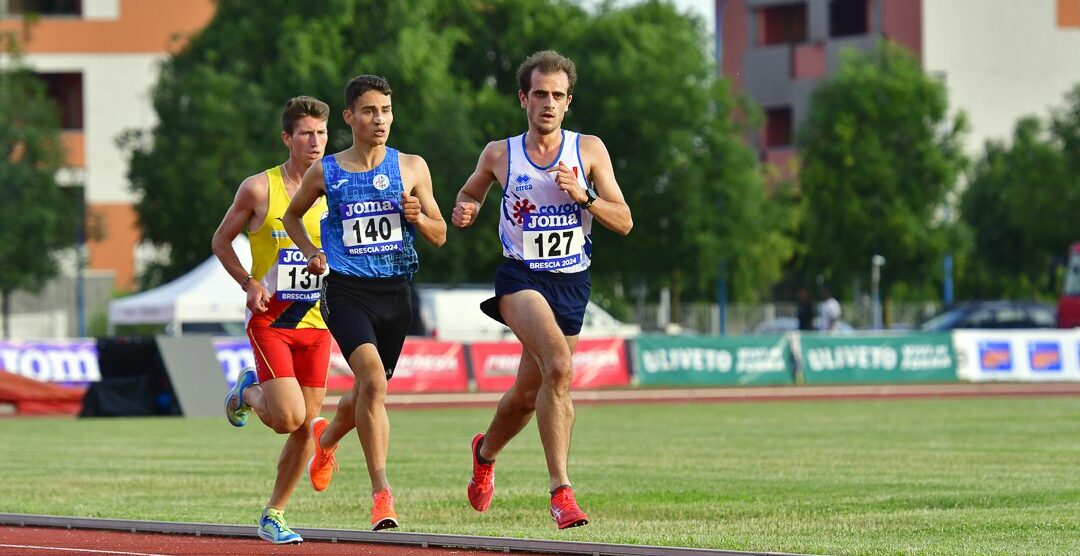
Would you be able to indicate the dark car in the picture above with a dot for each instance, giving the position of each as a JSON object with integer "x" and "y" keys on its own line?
{"x": 993, "y": 314}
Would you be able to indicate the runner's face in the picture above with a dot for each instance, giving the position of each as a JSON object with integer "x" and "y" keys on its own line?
{"x": 308, "y": 140}
{"x": 546, "y": 103}
{"x": 370, "y": 118}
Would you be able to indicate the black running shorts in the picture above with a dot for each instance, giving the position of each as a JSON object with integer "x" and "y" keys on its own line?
{"x": 374, "y": 311}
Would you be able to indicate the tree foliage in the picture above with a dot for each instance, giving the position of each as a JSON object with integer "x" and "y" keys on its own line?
{"x": 38, "y": 218}
{"x": 646, "y": 86}
{"x": 1021, "y": 207}
{"x": 880, "y": 155}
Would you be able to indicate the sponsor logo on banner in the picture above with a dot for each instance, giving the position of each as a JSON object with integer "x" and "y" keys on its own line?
{"x": 995, "y": 356}
{"x": 1045, "y": 356}
{"x": 689, "y": 358}
{"x": 234, "y": 354}
{"x": 71, "y": 362}
{"x": 848, "y": 356}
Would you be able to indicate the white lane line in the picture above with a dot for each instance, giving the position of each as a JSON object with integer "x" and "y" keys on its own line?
{"x": 80, "y": 550}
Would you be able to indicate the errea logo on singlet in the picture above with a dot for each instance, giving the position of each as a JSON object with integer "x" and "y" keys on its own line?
{"x": 364, "y": 207}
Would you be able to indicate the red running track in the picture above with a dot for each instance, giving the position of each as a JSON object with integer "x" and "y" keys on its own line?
{"x": 41, "y": 541}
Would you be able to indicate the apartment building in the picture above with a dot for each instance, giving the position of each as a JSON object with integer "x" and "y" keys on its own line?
{"x": 100, "y": 60}
{"x": 999, "y": 59}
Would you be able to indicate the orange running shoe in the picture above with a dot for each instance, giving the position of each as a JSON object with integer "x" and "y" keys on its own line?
{"x": 322, "y": 465}
{"x": 482, "y": 483}
{"x": 564, "y": 509}
{"x": 383, "y": 515}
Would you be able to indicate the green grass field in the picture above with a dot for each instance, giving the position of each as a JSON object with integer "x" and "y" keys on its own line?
{"x": 951, "y": 476}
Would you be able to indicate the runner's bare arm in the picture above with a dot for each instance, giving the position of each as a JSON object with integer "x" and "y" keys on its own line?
{"x": 472, "y": 194}
{"x": 311, "y": 188}
{"x": 251, "y": 198}
{"x": 418, "y": 203}
{"x": 610, "y": 208}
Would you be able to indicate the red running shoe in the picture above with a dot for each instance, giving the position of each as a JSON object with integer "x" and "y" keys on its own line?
{"x": 564, "y": 509}
{"x": 383, "y": 515}
{"x": 322, "y": 465}
{"x": 482, "y": 483}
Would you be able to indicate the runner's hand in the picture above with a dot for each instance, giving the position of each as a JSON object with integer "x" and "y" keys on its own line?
{"x": 257, "y": 297}
{"x": 566, "y": 179}
{"x": 411, "y": 207}
{"x": 464, "y": 213}
{"x": 316, "y": 265}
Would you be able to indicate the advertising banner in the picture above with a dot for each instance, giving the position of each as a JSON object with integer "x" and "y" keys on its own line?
{"x": 428, "y": 365}
{"x": 70, "y": 362}
{"x": 712, "y": 361}
{"x": 887, "y": 358}
{"x": 425, "y": 365}
{"x": 598, "y": 363}
{"x": 1018, "y": 355}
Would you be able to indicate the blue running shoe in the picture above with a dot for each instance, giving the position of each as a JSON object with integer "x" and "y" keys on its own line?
{"x": 235, "y": 409}
{"x": 272, "y": 527}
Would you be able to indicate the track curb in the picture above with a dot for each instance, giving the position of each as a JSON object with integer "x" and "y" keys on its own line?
{"x": 422, "y": 540}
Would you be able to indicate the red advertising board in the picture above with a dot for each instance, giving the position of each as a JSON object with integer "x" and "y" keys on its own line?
{"x": 598, "y": 363}
{"x": 425, "y": 365}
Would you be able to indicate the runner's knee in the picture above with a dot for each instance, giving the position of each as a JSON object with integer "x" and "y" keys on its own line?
{"x": 558, "y": 370}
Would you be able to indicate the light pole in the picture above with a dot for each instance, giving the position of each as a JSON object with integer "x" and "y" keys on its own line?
{"x": 876, "y": 262}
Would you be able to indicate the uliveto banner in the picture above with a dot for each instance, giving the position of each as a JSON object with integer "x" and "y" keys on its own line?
{"x": 598, "y": 363}
{"x": 714, "y": 361}
{"x": 882, "y": 359}
{"x": 69, "y": 362}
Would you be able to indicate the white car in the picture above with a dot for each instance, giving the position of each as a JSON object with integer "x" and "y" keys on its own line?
{"x": 454, "y": 314}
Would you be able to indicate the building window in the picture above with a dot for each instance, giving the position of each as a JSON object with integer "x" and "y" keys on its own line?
{"x": 41, "y": 7}
{"x": 782, "y": 24}
{"x": 66, "y": 89}
{"x": 1068, "y": 13}
{"x": 848, "y": 17}
{"x": 777, "y": 127}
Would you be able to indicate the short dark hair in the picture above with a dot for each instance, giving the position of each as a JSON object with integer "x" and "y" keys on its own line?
{"x": 547, "y": 61}
{"x": 300, "y": 107}
{"x": 362, "y": 84}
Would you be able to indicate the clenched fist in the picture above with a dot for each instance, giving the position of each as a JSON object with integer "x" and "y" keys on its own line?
{"x": 464, "y": 214}
{"x": 411, "y": 207}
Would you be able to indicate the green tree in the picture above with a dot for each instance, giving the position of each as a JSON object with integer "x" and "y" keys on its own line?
{"x": 1021, "y": 207}
{"x": 38, "y": 218}
{"x": 648, "y": 88}
{"x": 218, "y": 103}
{"x": 880, "y": 155}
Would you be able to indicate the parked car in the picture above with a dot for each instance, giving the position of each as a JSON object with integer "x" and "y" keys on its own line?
{"x": 791, "y": 324}
{"x": 993, "y": 314}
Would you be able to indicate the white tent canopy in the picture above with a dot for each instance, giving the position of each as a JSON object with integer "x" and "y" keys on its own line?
{"x": 205, "y": 294}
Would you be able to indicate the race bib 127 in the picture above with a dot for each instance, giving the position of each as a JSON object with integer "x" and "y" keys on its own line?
{"x": 552, "y": 241}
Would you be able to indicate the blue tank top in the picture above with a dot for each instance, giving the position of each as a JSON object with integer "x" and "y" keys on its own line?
{"x": 365, "y": 233}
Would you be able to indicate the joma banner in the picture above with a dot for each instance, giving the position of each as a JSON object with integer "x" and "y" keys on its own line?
{"x": 69, "y": 362}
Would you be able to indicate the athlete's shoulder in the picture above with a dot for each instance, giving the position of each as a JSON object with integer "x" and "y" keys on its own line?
{"x": 495, "y": 151}
{"x": 411, "y": 161}
{"x": 257, "y": 185}
{"x": 590, "y": 142}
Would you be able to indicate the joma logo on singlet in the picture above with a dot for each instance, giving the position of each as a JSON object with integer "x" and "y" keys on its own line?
{"x": 551, "y": 220}
{"x": 364, "y": 207}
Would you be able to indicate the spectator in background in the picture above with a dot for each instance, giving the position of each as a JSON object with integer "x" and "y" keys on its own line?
{"x": 828, "y": 310}
{"x": 804, "y": 308}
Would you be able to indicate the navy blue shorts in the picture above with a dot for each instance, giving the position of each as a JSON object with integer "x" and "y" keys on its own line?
{"x": 567, "y": 294}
